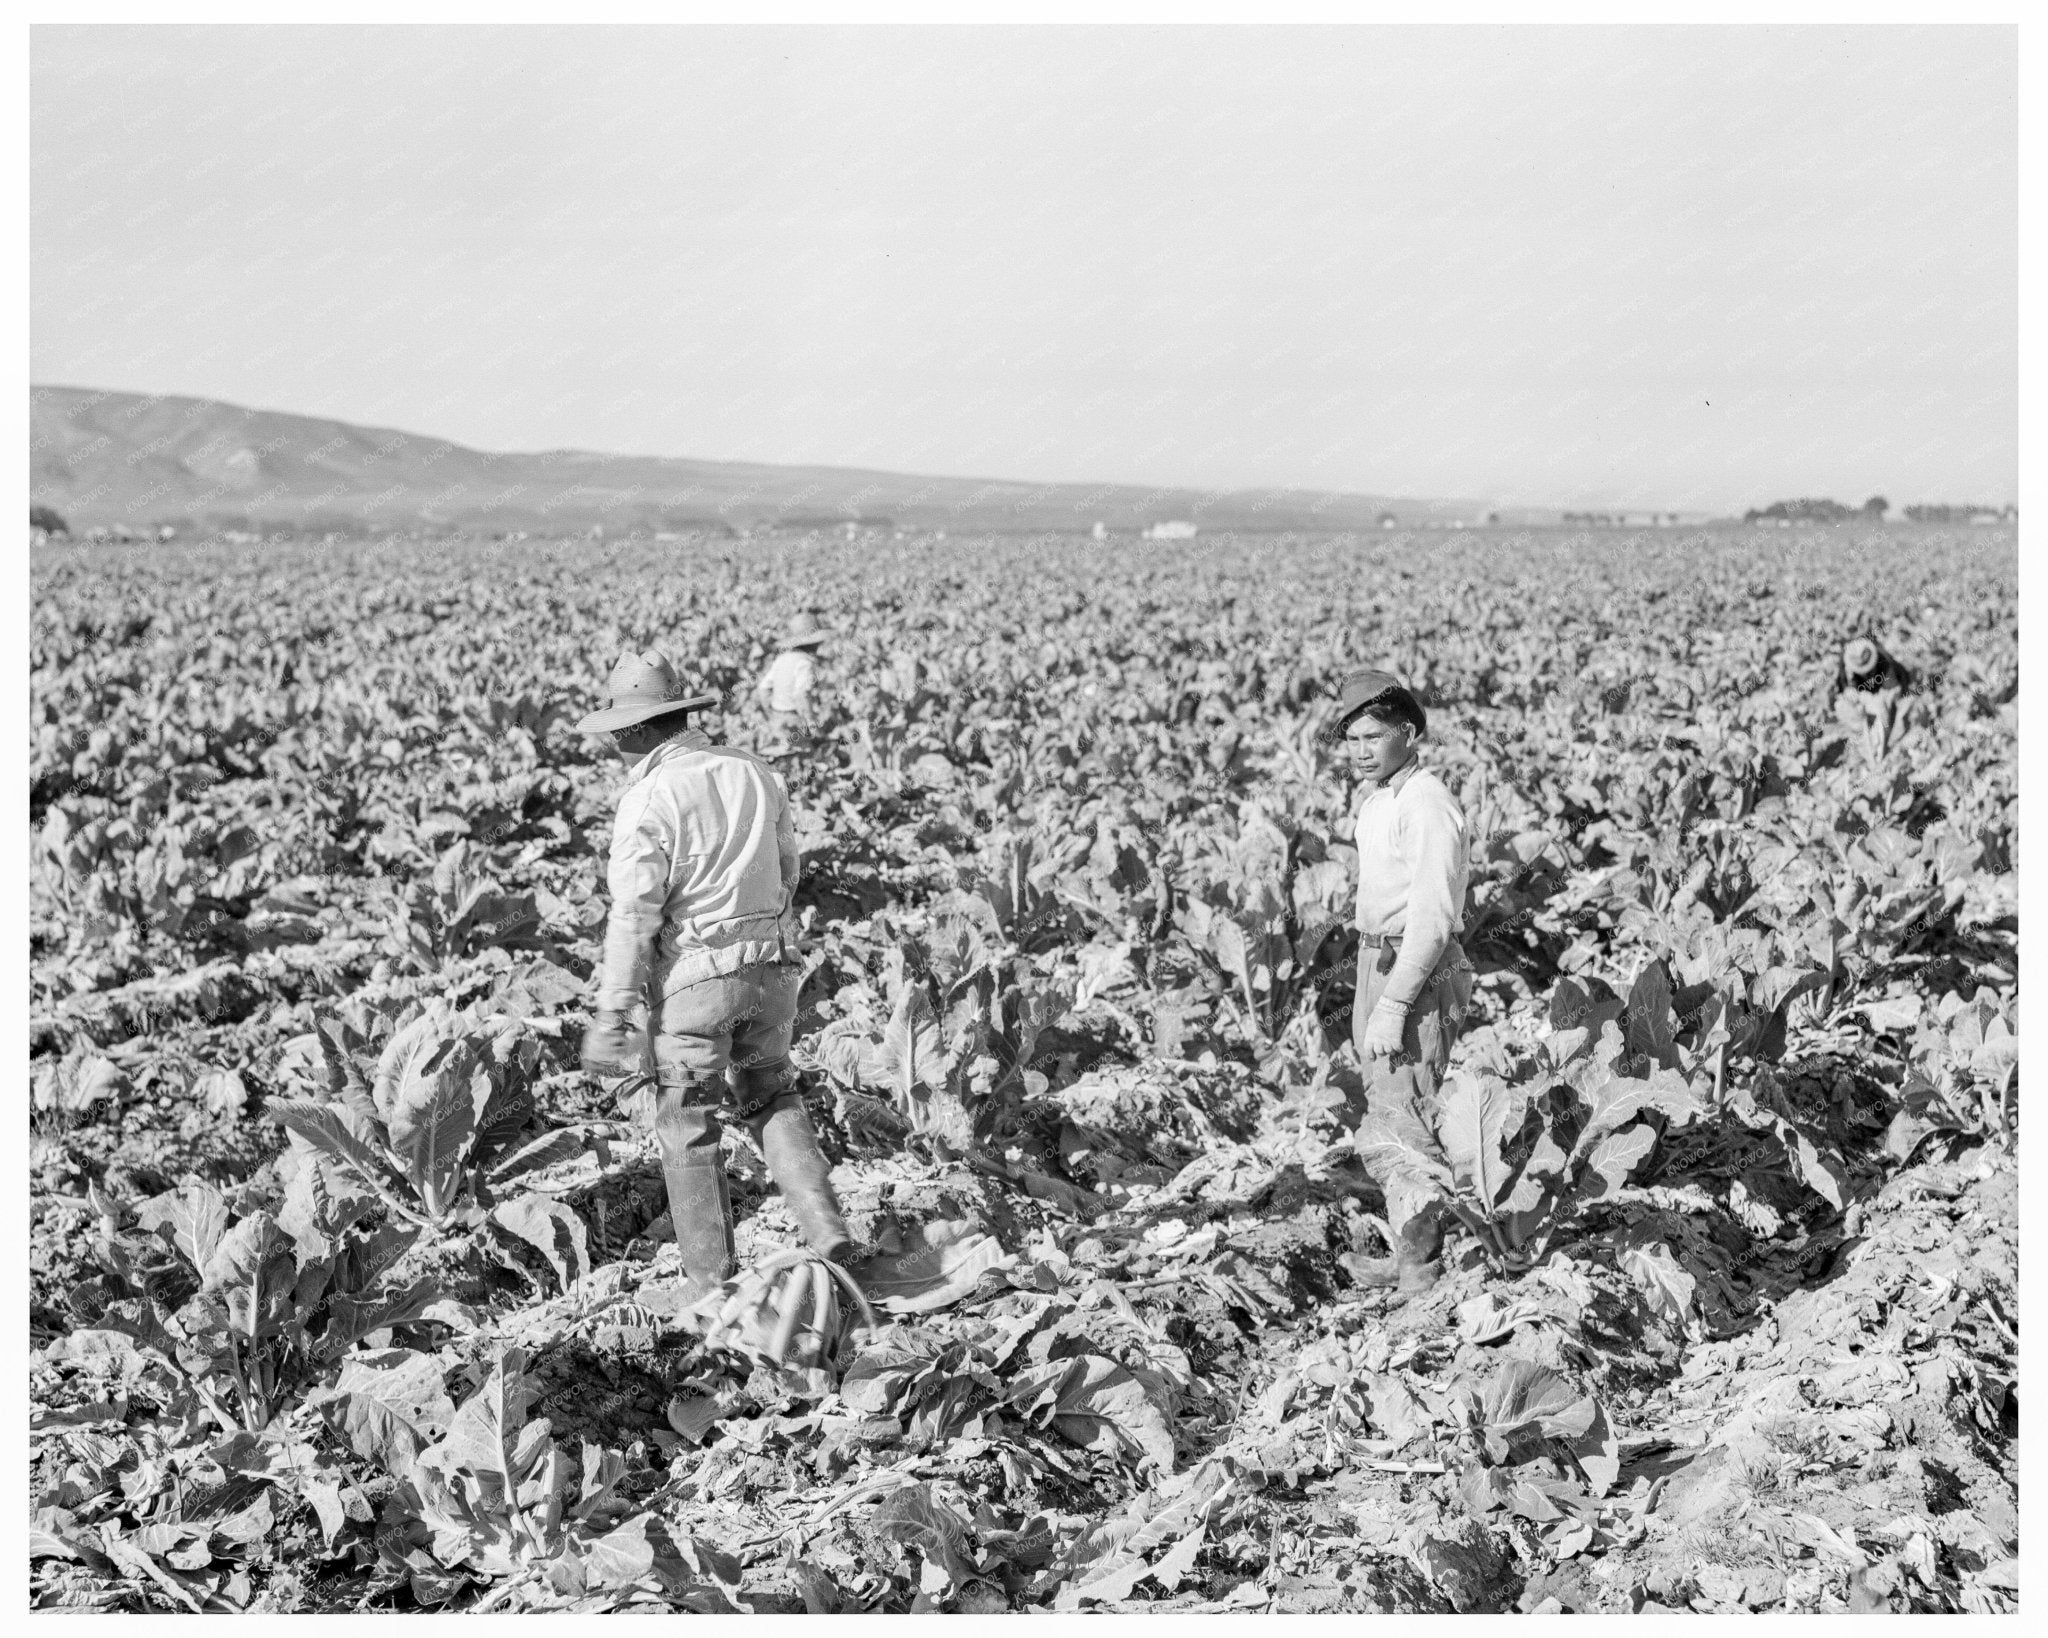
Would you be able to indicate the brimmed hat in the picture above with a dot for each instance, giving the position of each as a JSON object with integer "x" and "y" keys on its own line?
{"x": 1364, "y": 688}
{"x": 643, "y": 686}
{"x": 804, "y": 631}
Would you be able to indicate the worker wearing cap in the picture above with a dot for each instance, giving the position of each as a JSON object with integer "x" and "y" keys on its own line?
{"x": 1414, "y": 983}
{"x": 786, "y": 687}
{"x": 701, "y": 931}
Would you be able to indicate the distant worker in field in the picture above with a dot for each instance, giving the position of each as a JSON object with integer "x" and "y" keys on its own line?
{"x": 702, "y": 933}
{"x": 1869, "y": 669}
{"x": 787, "y": 688}
{"x": 1414, "y": 983}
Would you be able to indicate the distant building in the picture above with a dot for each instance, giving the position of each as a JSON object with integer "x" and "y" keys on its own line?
{"x": 1173, "y": 529}
{"x": 1100, "y": 531}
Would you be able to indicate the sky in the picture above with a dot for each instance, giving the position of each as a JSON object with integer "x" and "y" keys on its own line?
{"x": 1683, "y": 268}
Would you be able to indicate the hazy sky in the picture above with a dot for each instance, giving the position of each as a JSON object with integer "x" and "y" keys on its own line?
{"x": 1673, "y": 267}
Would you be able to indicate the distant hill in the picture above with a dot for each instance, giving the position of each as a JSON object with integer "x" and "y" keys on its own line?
{"x": 113, "y": 458}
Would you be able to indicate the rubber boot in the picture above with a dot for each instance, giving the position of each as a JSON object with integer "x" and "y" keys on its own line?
{"x": 699, "y": 1202}
{"x": 1413, "y": 1267}
{"x": 790, "y": 1147}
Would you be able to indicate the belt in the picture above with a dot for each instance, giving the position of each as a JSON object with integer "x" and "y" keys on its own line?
{"x": 1379, "y": 941}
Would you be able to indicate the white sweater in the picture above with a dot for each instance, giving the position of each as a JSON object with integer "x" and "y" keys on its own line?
{"x": 1411, "y": 873}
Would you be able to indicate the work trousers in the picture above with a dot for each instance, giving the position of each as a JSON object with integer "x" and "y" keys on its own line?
{"x": 788, "y": 733}
{"x": 721, "y": 1048}
{"x": 1402, "y": 1090}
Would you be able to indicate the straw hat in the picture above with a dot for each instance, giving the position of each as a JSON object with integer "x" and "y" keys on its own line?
{"x": 643, "y": 686}
{"x": 804, "y": 631}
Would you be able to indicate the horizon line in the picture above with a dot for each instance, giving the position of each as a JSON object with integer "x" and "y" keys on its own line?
{"x": 1488, "y": 502}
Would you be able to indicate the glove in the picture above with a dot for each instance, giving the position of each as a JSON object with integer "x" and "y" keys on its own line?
{"x": 1384, "y": 1029}
{"x": 609, "y": 1048}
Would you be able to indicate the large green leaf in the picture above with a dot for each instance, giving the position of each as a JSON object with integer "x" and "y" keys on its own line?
{"x": 914, "y": 1049}
{"x": 254, "y": 1271}
{"x": 1539, "y": 1177}
{"x": 1099, "y": 1405}
{"x": 315, "y": 1212}
{"x": 1650, "y": 1027}
{"x": 915, "y": 1516}
{"x": 543, "y": 1152}
{"x": 414, "y": 1040}
{"x": 552, "y": 1229}
{"x": 193, "y": 1219}
{"x": 1475, "y": 1116}
{"x": 387, "y": 1405}
{"x": 433, "y": 1117}
{"x": 1530, "y": 1395}
{"x": 1405, "y": 1154}
{"x": 1227, "y": 944}
{"x": 1612, "y": 1101}
{"x": 955, "y": 950}
{"x": 106, "y": 1313}
{"x": 878, "y": 1378}
{"x": 329, "y": 1130}
{"x": 1665, "y": 1283}
{"x": 346, "y": 1082}
{"x": 634, "y": 1551}
{"x": 937, "y": 1266}
{"x": 350, "y": 1319}
{"x": 506, "y": 1109}
{"x": 1613, "y": 1158}
{"x": 364, "y": 1262}
{"x": 490, "y": 1443}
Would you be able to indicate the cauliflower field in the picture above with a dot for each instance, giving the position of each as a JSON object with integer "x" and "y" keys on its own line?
{"x": 1730, "y": 1319}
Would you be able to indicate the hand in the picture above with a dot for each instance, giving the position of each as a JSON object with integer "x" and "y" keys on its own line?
{"x": 1384, "y": 1029}
{"x": 610, "y": 1049}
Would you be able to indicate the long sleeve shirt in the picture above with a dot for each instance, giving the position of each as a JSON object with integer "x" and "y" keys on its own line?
{"x": 702, "y": 873}
{"x": 788, "y": 681}
{"x": 1411, "y": 873}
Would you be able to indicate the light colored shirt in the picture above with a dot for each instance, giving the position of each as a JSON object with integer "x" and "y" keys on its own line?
{"x": 702, "y": 873}
{"x": 1412, "y": 861}
{"x": 788, "y": 679}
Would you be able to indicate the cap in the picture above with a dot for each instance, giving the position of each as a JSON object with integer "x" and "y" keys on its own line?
{"x": 1363, "y": 688}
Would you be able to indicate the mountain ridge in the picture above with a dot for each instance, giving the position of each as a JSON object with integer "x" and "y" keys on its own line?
{"x": 107, "y": 458}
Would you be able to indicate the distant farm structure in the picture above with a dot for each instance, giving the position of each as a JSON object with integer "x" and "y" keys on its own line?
{"x": 1621, "y": 520}
{"x": 1173, "y": 529}
{"x": 1963, "y": 514}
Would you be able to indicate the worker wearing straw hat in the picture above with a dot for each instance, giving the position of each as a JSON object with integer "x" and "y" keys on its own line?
{"x": 786, "y": 687}
{"x": 702, "y": 875}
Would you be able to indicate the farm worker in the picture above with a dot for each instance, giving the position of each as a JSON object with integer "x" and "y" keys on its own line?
{"x": 702, "y": 876}
{"x": 1414, "y": 983}
{"x": 785, "y": 687}
{"x": 1869, "y": 669}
